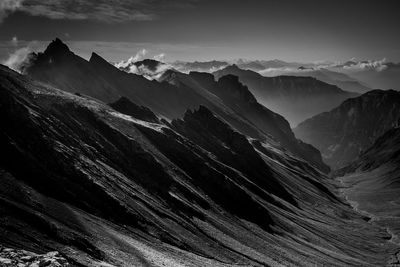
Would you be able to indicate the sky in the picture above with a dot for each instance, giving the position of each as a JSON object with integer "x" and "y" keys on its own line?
{"x": 296, "y": 30}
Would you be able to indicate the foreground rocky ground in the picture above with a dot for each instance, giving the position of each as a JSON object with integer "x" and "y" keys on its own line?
{"x": 23, "y": 258}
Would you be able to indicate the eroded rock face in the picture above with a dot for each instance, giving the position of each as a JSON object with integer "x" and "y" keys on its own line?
{"x": 344, "y": 132}
{"x": 22, "y": 258}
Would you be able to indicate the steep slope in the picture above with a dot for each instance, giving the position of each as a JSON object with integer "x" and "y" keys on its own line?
{"x": 372, "y": 183}
{"x": 104, "y": 188}
{"x": 295, "y": 98}
{"x": 342, "y": 133}
{"x": 236, "y": 97}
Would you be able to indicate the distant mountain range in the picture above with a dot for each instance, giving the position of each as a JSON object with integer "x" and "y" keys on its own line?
{"x": 344, "y": 132}
{"x": 296, "y": 98}
{"x": 354, "y": 76}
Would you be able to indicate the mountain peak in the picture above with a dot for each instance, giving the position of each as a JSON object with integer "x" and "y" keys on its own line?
{"x": 56, "y": 47}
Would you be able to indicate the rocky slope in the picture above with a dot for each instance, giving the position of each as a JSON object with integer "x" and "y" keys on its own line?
{"x": 22, "y": 258}
{"x": 296, "y": 98}
{"x": 102, "y": 187}
{"x": 342, "y": 133}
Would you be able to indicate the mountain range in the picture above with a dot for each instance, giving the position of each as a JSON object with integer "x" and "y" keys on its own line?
{"x": 353, "y": 76}
{"x": 58, "y": 66}
{"x": 153, "y": 166}
{"x": 103, "y": 187}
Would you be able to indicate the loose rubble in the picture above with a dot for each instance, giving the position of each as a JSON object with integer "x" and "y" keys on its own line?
{"x": 23, "y": 258}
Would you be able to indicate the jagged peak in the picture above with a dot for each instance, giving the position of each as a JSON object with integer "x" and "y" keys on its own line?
{"x": 56, "y": 47}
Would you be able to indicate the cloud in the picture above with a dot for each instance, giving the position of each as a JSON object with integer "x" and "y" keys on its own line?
{"x": 129, "y": 63}
{"x": 150, "y": 73}
{"x": 378, "y": 65}
{"x": 17, "y": 59}
{"x": 109, "y": 11}
{"x": 8, "y": 6}
{"x": 16, "y": 55}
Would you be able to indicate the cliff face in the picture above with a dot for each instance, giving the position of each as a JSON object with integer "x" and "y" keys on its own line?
{"x": 344, "y": 132}
{"x": 295, "y": 98}
{"x": 102, "y": 187}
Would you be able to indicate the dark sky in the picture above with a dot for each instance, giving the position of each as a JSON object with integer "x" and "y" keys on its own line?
{"x": 296, "y": 30}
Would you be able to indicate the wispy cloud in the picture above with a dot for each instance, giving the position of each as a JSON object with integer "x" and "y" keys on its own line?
{"x": 8, "y": 6}
{"x": 110, "y": 11}
{"x": 14, "y": 53}
{"x": 16, "y": 59}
